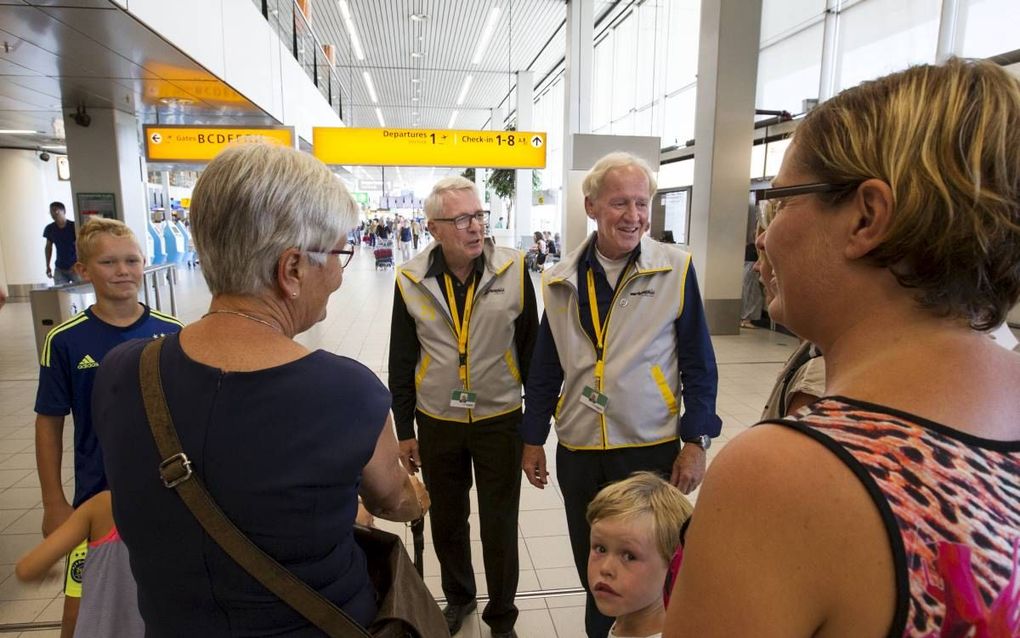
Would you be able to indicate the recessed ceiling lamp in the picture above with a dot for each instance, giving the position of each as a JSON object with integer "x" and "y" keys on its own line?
{"x": 487, "y": 33}
{"x": 355, "y": 41}
{"x": 453, "y": 118}
{"x": 415, "y": 98}
{"x": 18, "y": 131}
{"x": 416, "y": 80}
{"x": 371, "y": 87}
{"x": 378, "y": 116}
{"x": 417, "y": 54}
{"x": 464, "y": 89}
{"x": 419, "y": 17}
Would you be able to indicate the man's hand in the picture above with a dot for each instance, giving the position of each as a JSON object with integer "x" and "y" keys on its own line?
{"x": 409, "y": 457}
{"x": 54, "y": 516}
{"x": 533, "y": 465}
{"x": 49, "y": 272}
{"x": 688, "y": 468}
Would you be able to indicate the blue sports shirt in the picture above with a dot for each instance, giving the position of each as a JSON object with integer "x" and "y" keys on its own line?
{"x": 71, "y": 355}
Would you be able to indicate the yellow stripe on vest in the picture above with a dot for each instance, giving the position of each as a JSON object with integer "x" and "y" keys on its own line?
{"x": 667, "y": 394}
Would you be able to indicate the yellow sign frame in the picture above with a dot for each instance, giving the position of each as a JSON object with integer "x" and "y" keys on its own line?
{"x": 183, "y": 144}
{"x": 429, "y": 147}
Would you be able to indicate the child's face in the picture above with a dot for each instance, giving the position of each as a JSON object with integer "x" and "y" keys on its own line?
{"x": 625, "y": 570}
{"x": 115, "y": 268}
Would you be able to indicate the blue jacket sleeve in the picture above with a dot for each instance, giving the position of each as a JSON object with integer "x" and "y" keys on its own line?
{"x": 542, "y": 389}
{"x": 699, "y": 376}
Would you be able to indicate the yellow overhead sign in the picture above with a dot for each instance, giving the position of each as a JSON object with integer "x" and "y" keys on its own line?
{"x": 422, "y": 147}
{"x": 199, "y": 144}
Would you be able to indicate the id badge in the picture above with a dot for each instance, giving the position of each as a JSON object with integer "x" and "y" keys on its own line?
{"x": 592, "y": 398}
{"x": 463, "y": 399}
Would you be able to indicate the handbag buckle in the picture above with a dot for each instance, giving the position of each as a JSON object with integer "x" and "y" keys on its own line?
{"x": 175, "y": 470}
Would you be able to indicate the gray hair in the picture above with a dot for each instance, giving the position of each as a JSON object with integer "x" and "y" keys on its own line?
{"x": 253, "y": 202}
{"x": 434, "y": 202}
{"x": 593, "y": 180}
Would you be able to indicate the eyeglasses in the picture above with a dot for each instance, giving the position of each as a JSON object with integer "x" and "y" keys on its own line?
{"x": 770, "y": 201}
{"x": 345, "y": 255}
{"x": 461, "y": 222}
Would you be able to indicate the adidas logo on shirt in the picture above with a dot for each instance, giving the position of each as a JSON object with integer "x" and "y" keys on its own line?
{"x": 87, "y": 362}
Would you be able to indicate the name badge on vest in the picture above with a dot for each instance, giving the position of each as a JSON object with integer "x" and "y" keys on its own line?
{"x": 592, "y": 398}
{"x": 463, "y": 399}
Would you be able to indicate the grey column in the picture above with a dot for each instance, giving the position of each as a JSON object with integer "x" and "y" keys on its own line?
{"x": 576, "y": 109}
{"x": 949, "y": 30}
{"x": 496, "y": 118}
{"x": 106, "y": 158}
{"x": 521, "y": 223}
{"x": 723, "y": 131}
{"x": 827, "y": 78}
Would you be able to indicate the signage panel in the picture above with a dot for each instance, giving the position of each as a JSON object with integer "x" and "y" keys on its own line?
{"x": 424, "y": 147}
{"x": 199, "y": 144}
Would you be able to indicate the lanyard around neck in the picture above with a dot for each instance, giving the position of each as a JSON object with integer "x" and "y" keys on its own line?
{"x": 460, "y": 328}
{"x": 600, "y": 333}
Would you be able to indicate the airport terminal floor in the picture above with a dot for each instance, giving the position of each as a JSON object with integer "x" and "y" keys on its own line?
{"x": 357, "y": 326}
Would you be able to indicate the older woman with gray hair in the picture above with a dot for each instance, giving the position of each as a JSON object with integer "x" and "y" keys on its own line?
{"x": 285, "y": 439}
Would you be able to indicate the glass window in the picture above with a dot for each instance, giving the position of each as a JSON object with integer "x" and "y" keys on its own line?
{"x": 988, "y": 27}
{"x": 624, "y": 67}
{"x": 678, "y": 117}
{"x": 877, "y": 37}
{"x": 602, "y": 82}
{"x": 682, "y": 51}
{"x": 648, "y": 16}
{"x": 781, "y": 17}
{"x": 643, "y": 123}
{"x": 624, "y": 125}
{"x": 790, "y": 70}
{"x": 676, "y": 174}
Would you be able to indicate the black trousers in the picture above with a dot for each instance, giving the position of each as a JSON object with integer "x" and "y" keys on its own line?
{"x": 448, "y": 451}
{"x": 581, "y": 475}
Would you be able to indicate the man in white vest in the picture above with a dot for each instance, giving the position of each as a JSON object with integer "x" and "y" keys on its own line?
{"x": 464, "y": 326}
{"x": 623, "y": 340}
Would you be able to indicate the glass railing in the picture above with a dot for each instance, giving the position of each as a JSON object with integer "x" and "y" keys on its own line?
{"x": 296, "y": 33}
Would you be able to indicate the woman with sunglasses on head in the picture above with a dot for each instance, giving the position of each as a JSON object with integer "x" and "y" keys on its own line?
{"x": 891, "y": 506}
{"x": 284, "y": 439}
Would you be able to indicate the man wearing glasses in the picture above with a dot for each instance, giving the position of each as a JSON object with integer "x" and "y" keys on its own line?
{"x": 464, "y": 325}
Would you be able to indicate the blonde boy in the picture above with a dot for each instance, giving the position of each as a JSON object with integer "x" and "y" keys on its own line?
{"x": 635, "y": 528}
{"x": 110, "y": 258}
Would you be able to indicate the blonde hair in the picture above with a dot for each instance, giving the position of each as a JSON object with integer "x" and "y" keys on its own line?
{"x": 253, "y": 202}
{"x": 89, "y": 234}
{"x": 592, "y": 184}
{"x": 946, "y": 139}
{"x": 434, "y": 202}
{"x": 645, "y": 493}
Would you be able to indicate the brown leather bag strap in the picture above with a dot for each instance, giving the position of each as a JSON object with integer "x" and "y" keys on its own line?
{"x": 176, "y": 473}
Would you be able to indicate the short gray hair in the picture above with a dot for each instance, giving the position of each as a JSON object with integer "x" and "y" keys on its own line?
{"x": 593, "y": 180}
{"x": 256, "y": 200}
{"x": 434, "y": 202}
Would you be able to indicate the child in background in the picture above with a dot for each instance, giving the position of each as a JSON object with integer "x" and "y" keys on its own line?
{"x": 635, "y": 529}
{"x": 111, "y": 259}
{"x": 109, "y": 602}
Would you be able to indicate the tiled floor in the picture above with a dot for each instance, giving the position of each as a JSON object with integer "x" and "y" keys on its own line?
{"x": 357, "y": 326}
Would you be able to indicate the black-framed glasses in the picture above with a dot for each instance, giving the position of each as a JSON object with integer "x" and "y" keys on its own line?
{"x": 770, "y": 201}
{"x": 344, "y": 254}
{"x": 462, "y": 222}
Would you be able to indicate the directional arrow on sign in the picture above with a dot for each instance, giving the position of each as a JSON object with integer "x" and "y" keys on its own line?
{"x": 536, "y": 141}
{"x": 156, "y": 138}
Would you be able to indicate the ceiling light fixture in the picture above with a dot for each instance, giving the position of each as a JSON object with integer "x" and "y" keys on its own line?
{"x": 417, "y": 54}
{"x": 371, "y": 87}
{"x": 416, "y": 80}
{"x": 415, "y": 98}
{"x": 487, "y": 33}
{"x": 18, "y": 131}
{"x": 419, "y": 17}
{"x": 378, "y": 116}
{"x": 355, "y": 41}
{"x": 464, "y": 89}
{"x": 453, "y": 118}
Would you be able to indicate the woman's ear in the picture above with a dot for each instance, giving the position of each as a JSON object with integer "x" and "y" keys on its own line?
{"x": 872, "y": 218}
{"x": 290, "y": 272}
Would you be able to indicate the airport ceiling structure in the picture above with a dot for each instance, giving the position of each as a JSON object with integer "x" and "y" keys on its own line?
{"x": 56, "y": 55}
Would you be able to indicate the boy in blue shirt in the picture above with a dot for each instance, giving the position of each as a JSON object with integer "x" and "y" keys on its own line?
{"x": 109, "y": 257}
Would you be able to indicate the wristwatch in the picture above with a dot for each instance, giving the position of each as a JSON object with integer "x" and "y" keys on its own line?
{"x": 703, "y": 441}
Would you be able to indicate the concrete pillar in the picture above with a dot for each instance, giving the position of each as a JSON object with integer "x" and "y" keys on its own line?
{"x": 106, "y": 158}
{"x": 576, "y": 110}
{"x": 827, "y": 78}
{"x": 28, "y": 185}
{"x": 723, "y": 130}
{"x": 949, "y": 28}
{"x": 525, "y": 106}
